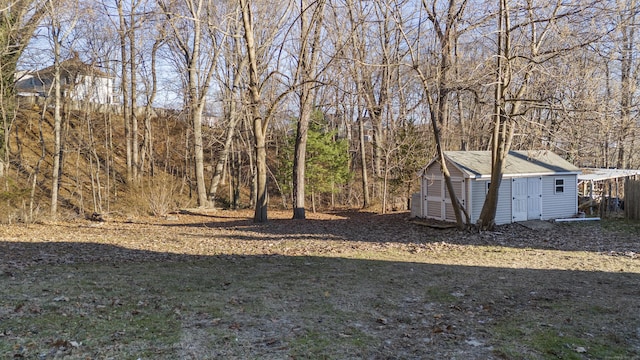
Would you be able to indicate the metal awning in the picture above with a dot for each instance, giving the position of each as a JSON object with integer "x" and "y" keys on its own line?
{"x": 590, "y": 174}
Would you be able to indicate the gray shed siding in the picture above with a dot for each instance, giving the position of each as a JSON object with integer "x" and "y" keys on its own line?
{"x": 559, "y": 205}
{"x": 453, "y": 170}
{"x": 434, "y": 170}
{"x": 503, "y": 212}
{"x": 478, "y": 194}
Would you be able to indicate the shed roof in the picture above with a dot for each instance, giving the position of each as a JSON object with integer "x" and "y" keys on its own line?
{"x": 477, "y": 164}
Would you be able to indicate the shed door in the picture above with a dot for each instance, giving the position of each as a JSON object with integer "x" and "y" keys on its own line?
{"x": 534, "y": 198}
{"x": 458, "y": 186}
{"x": 519, "y": 202}
{"x": 436, "y": 199}
{"x": 433, "y": 200}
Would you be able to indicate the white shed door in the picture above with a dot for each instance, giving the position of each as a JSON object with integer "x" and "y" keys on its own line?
{"x": 534, "y": 198}
{"x": 519, "y": 199}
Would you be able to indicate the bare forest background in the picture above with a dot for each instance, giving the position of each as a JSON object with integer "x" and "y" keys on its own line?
{"x": 302, "y": 104}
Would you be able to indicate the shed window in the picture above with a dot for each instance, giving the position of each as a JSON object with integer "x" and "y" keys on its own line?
{"x": 559, "y": 186}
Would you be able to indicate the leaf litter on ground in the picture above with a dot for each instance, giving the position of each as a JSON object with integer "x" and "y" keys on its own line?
{"x": 341, "y": 285}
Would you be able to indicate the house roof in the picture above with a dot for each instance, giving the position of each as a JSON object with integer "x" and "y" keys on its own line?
{"x": 74, "y": 66}
{"x": 477, "y": 164}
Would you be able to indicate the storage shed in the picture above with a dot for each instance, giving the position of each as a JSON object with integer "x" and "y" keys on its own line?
{"x": 536, "y": 185}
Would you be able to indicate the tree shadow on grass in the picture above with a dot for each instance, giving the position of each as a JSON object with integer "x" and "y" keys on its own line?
{"x": 111, "y": 301}
{"x": 399, "y": 228}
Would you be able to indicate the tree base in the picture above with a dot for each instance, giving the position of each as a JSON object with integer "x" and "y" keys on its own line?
{"x": 260, "y": 215}
{"x": 299, "y": 213}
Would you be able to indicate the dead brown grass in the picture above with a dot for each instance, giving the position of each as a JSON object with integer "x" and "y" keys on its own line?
{"x": 340, "y": 285}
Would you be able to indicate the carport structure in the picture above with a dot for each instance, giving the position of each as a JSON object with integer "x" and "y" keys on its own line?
{"x": 595, "y": 184}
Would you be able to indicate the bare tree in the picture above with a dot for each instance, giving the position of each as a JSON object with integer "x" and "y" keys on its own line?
{"x": 344, "y": 77}
{"x": 96, "y": 38}
{"x": 132, "y": 16}
{"x": 126, "y": 57}
{"x": 438, "y": 82}
{"x": 372, "y": 46}
{"x": 265, "y": 87}
{"x": 151, "y": 92}
{"x": 259, "y": 124}
{"x": 59, "y": 33}
{"x": 629, "y": 70}
{"x": 18, "y": 21}
{"x": 192, "y": 24}
{"x": 132, "y": 38}
{"x": 503, "y": 125}
{"x": 551, "y": 30}
{"x": 236, "y": 62}
{"x": 311, "y": 22}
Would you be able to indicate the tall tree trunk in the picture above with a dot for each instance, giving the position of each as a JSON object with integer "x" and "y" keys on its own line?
{"x": 7, "y": 111}
{"x": 199, "y": 157}
{"x": 125, "y": 85}
{"x": 57, "y": 123}
{"x": 310, "y": 28}
{"x": 196, "y": 107}
{"x": 96, "y": 187}
{"x": 299, "y": 157}
{"x": 148, "y": 112}
{"x": 218, "y": 172}
{"x": 234, "y": 118}
{"x": 234, "y": 177}
{"x": 486, "y": 221}
{"x": 262, "y": 200}
{"x": 259, "y": 126}
{"x": 363, "y": 159}
{"x": 627, "y": 80}
{"x": 437, "y": 95}
{"x": 108, "y": 145}
{"x": 135, "y": 151}
{"x": 199, "y": 14}
{"x": 503, "y": 126}
{"x": 36, "y": 169}
{"x": 372, "y": 79}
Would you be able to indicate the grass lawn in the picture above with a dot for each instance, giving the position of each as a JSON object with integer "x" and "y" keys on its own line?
{"x": 296, "y": 290}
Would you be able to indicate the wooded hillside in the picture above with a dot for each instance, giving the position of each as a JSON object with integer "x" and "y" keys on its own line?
{"x": 252, "y": 85}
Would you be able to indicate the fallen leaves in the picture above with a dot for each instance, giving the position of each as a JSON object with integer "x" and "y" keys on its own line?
{"x": 61, "y": 344}
{"x": 390, "y": 237}
{"x": 285, "y": 298}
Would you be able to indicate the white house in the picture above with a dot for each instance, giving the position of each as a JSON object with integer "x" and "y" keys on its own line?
{"x": 535, "y": 185}
{"x": 80, "y": 82}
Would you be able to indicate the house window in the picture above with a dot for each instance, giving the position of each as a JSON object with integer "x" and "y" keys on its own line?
{"x": 559, "y": 186}
{"x": 486, "y": 189}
